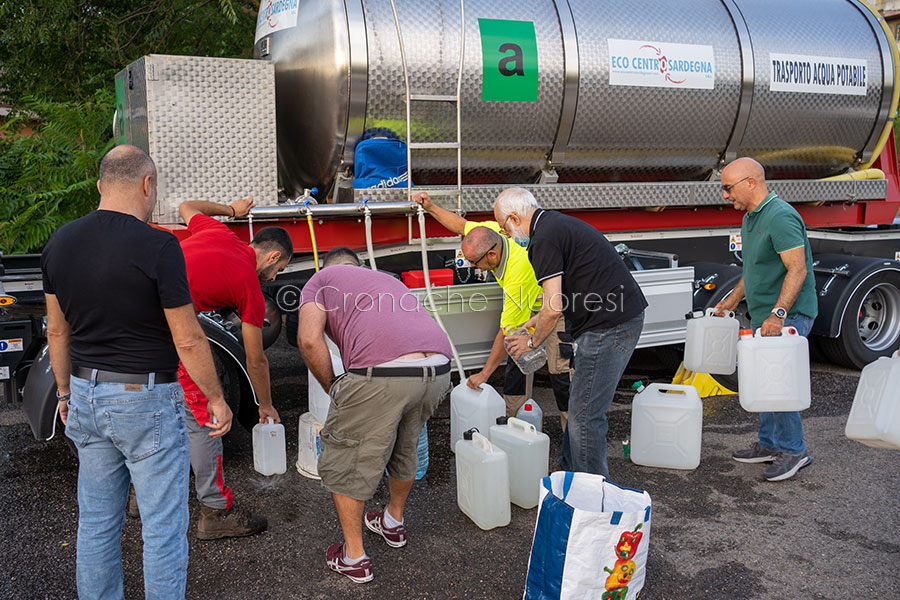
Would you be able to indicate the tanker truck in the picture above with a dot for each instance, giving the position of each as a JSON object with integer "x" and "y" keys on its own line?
{"x": 621, "y": 114}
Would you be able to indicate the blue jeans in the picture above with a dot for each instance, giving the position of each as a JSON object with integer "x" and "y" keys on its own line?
{"x": 600, "y": 359}
{"x": 783, "y": 431}
{"x": 123, "y": 436}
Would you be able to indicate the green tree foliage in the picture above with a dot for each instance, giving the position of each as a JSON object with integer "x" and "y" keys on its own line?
{"x": 58, "y": 59}
{"x": 49, "y": 178}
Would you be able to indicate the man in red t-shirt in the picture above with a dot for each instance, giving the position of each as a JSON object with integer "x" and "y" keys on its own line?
{"x": 225, "y": 272}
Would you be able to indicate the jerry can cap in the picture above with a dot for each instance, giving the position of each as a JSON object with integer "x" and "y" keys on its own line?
{"x": 500, "y": 421}
{"x": 637, "y": 384}
{"x": 467, "y": 435}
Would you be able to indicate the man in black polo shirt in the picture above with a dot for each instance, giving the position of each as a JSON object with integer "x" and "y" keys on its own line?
{"x": 584, "y": 278}
{"x": 119, "y": 317}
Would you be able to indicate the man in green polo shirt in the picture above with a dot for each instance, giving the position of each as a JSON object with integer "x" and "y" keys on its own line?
{"x": 486, "y": 249}
{"x": 779, "y": 286}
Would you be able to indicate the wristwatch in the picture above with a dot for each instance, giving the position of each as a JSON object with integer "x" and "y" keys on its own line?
{"x": 779, "y": 312}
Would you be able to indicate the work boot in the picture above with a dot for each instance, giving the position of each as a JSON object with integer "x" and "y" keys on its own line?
{"x": 131, "y": 509}
{"x": 218, "y": 523}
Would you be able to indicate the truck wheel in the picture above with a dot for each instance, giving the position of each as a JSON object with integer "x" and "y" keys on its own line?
{"x": 291, "y": 324}
{"x": 228, "y": 378}
{"x": 871, "y": 324}
{"x": 272, "y": 326}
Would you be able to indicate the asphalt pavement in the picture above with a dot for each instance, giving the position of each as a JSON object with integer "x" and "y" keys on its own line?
{"x": 718, "y": 532}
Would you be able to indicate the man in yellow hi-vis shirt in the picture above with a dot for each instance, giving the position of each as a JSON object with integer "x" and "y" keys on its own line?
{"x": 486, "y": 249}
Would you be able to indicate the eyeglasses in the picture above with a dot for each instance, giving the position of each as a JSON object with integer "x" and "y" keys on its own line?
{"x": 727, "y": 188}
{"x": 475, "y": 262}
{"x": 503, "y": 225}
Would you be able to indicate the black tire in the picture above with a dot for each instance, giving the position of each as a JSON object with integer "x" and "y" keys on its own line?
{"x": 870, "y": 327}
{"x": 273, "y": 322}
{"x": 228, "y": 378}
{"x": 291, "y": 324}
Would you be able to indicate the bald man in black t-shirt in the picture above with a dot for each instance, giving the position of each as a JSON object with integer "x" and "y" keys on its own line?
{"x": 119, "y": 317}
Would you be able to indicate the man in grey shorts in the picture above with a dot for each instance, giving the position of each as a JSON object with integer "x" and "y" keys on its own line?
{"x": 398, "y": 372}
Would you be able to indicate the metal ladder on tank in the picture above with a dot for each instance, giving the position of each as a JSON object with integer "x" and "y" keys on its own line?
{"x": 450, "y": 98}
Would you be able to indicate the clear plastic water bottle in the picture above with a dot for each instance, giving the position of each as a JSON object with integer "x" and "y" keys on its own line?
{"x": 530, "y": 361}
{"x": 423, "y": 453}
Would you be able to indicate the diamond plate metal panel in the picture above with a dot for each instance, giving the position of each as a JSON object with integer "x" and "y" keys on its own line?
{"x": 634, "y": 133}
{"x": 642, "y": 195}
{"x": 800, "y": 134}
{"x": 210, "y": 127}
{"x": 502, "y": 141}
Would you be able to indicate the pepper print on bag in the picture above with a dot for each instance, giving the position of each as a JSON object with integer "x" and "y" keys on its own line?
{"x": 628, "y": 543}
{"x": 622, "y": 572}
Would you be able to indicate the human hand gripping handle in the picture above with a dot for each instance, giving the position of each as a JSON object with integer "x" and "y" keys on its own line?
{"x": 242, "y": 207}
{"x": 475, "y": 381}
{"x": 725, "y": 306}
{"x": 268, "y": 412}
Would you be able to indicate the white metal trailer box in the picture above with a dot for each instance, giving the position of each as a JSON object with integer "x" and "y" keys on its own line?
{"x": 208, "y": 123}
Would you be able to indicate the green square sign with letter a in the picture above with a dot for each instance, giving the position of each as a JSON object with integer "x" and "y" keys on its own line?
{"x": 509, "y": 60}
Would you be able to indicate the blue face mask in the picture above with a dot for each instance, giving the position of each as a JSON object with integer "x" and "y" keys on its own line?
{"x": 523, "y": 241}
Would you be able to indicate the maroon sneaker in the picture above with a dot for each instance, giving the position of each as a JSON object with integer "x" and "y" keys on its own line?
{"x": 361, "y": 572}
{"x": 394, "y": 537}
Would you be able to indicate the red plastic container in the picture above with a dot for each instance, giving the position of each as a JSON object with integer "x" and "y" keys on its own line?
{"x": 416, "y": 279}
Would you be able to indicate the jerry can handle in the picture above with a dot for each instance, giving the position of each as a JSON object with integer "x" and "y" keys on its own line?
{"x": 790, "y": 330}
{"x": 520, "y": 424}
{"x": 670, "y": 388}
{"x": 711, "y": 312}
{"x": 482, "y": 442}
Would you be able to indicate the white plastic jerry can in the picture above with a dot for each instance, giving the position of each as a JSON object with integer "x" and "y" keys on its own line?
{"x": 319, "y": 400}
{"x": 875, "y": 415}
{"x": 773, "y": 372}
{"x": 269, "y": 453}
{"x": 473, "y": 408}
{"x": 710, "y": 345}
{"x": 482, "y": 481}
{"x": 530, "y": 412}
{"x": 666, "y": 426}
{"x": 308, "y": 434}
{"x": 528, "y": 452}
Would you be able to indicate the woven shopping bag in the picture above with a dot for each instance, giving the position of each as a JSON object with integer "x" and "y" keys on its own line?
{"x": 590, "y": 541}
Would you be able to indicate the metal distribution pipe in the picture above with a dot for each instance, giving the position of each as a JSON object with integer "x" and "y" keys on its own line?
{"x": 287, "y": 211}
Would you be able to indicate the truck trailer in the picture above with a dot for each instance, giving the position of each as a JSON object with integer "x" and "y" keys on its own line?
{"x": 620, "y": 114}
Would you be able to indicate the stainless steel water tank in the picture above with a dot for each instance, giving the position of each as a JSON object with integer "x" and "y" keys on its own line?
{"x": 644, "y": 90}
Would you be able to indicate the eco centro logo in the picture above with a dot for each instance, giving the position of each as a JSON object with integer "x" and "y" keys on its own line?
{"x": 274, "y": 10}
{"x": 275, "y": 15}
{"x": 656, "y": 64}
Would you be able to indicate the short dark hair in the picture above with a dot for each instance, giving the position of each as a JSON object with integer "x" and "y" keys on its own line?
{"x": 274, "y": 238}
{"x": 340, "y": 255}
{"x": 126, "y": 164}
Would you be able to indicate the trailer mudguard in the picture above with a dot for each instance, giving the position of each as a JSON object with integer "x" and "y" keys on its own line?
{"x": 723, "y": 277}
{"x": 39, "y": 397}
{"x": 838, "y": 276}
{"x": 228, "y": 352}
